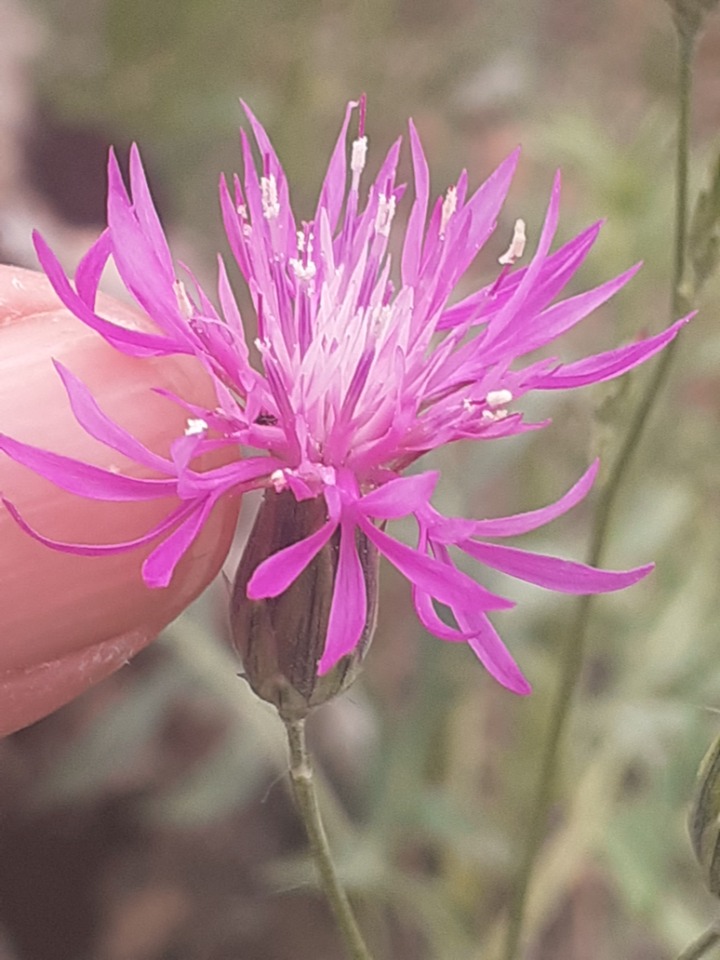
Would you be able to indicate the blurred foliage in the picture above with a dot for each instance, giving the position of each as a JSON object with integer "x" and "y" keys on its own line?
{"x": 429, "y": 766}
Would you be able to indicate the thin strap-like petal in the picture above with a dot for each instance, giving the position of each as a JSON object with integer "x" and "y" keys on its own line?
{"x": 553, "y": 573}
{"x": 606, "y": 366}
{"x": 446, "y": 584}
{"x": 348, "y": 611}
{"x": 158, "y": 568}
{"x": 100, "y": 549}
{"x": 98, "y": 425}
{"x": 83, "y": 478}
{"x": 275, "y": 574}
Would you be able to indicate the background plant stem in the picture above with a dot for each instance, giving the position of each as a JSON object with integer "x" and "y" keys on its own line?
{"x": 573, "y": 649}
{"x": 301, "y": 775}
{"x": 698, "y": 948}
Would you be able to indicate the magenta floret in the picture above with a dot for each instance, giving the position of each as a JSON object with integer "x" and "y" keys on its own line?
{"x": 356, "y": 379}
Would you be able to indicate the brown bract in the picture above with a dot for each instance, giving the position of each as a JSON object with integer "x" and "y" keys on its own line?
{"x": 68, "y": 621}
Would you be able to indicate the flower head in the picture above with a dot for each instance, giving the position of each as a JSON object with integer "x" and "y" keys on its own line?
{"x": 358, "y": 372}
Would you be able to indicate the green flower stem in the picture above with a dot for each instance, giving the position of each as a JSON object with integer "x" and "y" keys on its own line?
{"x": 686, "y": 42}
{"x": 301, "y": 776}
{"x": 698, "y": 948}
{"x": 573, "y": 651}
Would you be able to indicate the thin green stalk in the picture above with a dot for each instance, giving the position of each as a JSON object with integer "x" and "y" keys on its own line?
{"x": 698, "y": 948}
{"x": 573, "y": 650}
{"x": 301, "y": 776}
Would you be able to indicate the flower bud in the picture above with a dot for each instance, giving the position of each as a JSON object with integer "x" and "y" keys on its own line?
{"x": 704, "y": 818}
{"x": 281, "y": 639}
{"x": 67, "y": 621}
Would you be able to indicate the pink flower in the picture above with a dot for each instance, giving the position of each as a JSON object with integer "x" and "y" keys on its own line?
{"x": 353, "y": 381}
{"x": 68, "y": 621}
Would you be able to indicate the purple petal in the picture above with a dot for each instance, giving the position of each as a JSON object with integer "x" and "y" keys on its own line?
{"x": 158, "y": 568}
{"x": 349, "y": 604}
{"x": 427, "y": 615}
{"x": 554, "y": 275}
{"x": 91, "y": 418}
{"x": 99, "y": 549}
{"x": 412, "y": 248}
{"x": 561, "y": 317}
{"x": 83, "y": 478}
{"x": 132, "y": 342}
{"x": 267, "y": 151}
{"x": 605, "y": 366}
{"x": 141, "y": 255}
{"x": 333, "y": 188}
{"x": 233, "y": 229}
{"x": 400, "y": 497}
{"x": 488, "y": 647}
{"x": 192, "y": 485}
{"x": 440, "y": 580}
{"x": 482, "y": 638}
{"x": 450, "y": 530}
{"x": 553, "y": 573}
{"x": 90, "y": 268}
{"x": 146, "y": 212}
{"x": 277, "y": 572}
{"x": 503, "y": 326}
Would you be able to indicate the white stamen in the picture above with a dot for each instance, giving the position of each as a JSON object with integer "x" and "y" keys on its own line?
{"x": 517, "y": 245}
{"x": 498, "y": 398}
{"x": 448, "y": 208}
{"x": 183, "y": 300}
{"x": 269, "y": 197}
{"x": 278, "y": 480}
{"x": 490, "y": 416}
{"x": 195, "y": 427}
{"x": 303, "y": 271}
{"x": 358, "y": 156}
{"x": 301, "y": 241}
{"x": 385, "y": 214}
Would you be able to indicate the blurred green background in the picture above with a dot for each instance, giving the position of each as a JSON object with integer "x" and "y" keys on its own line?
{"x": 150, "y": 820}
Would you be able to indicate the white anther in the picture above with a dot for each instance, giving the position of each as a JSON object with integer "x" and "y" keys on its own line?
{"x": 269, "y": 197}
{"x": 448, "y": 209}
{"x": 490, "y": 416}
{"x": 517, "y": 245}
{"x": 195, "y": 427}
{"x": 303, "y": 271}
{"x": 498, "y": 398}
{"x": 243, "y": 214}
{"x": 278, "y": 480}
{"x": 385, "y": 214}
{"x": 358, "y": 156}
